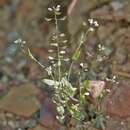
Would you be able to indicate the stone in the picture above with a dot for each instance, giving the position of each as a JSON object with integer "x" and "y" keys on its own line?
{"x": 96, "y": 87}
{"x": 21, "y": 100}
{"x": 117, "y": 101}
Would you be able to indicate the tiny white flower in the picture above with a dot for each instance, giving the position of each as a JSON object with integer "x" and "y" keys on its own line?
{"x": 48, "y": 19}
{"x": 50, "y": 51}
{"x": 24, "y": 42}
{"x": 87, "y": 93}
{"x": 66, "y": 59}
{"x": 81, "y": 64}
{"x": 114, "y": 77}
{"x": 96, "y": 24}
{"x": 86, "y": 70}
{"x": 65, "y": 41}
{"x": 18, "y": 41}
{"x": 108, "y": 90}
{"x": 62, "y": 35}
{"x": 50, "y": 9}
{"x": 91, "y": 29}
{"x": 64, "y": 47}
{"x": 84, "y": 24}
{"x": 99, "y": 46}
{"x": 91, "y": 21}
{"x": 58, "y": 6}
{"x": 54, "y": 44}
{"x": 59, "y": 63}
{"x": 49, "y": 70}
{"x": 51, "y": 58}
{"x": 62, "y": 52}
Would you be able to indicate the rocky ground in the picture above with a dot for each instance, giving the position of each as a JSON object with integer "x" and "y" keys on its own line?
{"x": 21, "y": 92}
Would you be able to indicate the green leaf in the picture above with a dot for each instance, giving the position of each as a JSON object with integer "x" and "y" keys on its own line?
{"x": 63, "y": 18}
{"x": 76, "y": 55}
{"x": 85, "y": 86}
{"x": 60, "y": 110}
{"x": 69, "y": 89}
{"x": 61, "y": 119}
{"x": 57, "y": 13}
{"x": 48, "y": 19}
{"x": 83, "y": 90}
{"x": 85, "y": 83}
{"x": 30, "y": 54}
{"x": 31, "y": 123}
{"x": 98, "y": 121}
{"x": 51, "y": 82}
{"x": 82, "y": 99}
{"x": 76, "y": 112}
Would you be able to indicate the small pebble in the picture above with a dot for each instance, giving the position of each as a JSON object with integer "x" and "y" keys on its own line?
{"x": 122, "y": 123}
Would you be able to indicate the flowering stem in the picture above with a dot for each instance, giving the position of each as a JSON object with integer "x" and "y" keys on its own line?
{"x": 58, "y": 49}
{"x": 59, "y": 63}
{"x": 82, "y": 39}
{"x": 70, "y": 69}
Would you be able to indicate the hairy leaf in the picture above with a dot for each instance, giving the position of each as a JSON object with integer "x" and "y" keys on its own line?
{"x": 76, "y": 55}
{"x": 50, "y": 82}
{"x": 30, "y": 54}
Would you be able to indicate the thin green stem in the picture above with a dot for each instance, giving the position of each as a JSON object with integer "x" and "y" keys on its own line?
{"x": 82, "y": 39}
{"x": 56, "y": 23}
{"x": 39, "y": 63}
{"x": 70, "y": 69}
{"x": 35, "y": 60}
{"x": 58, "y": 49}
{"x": 59, "y": 63}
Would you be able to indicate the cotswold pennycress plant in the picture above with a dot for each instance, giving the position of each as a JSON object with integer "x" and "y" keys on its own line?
{"x": 68, "y": 98}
